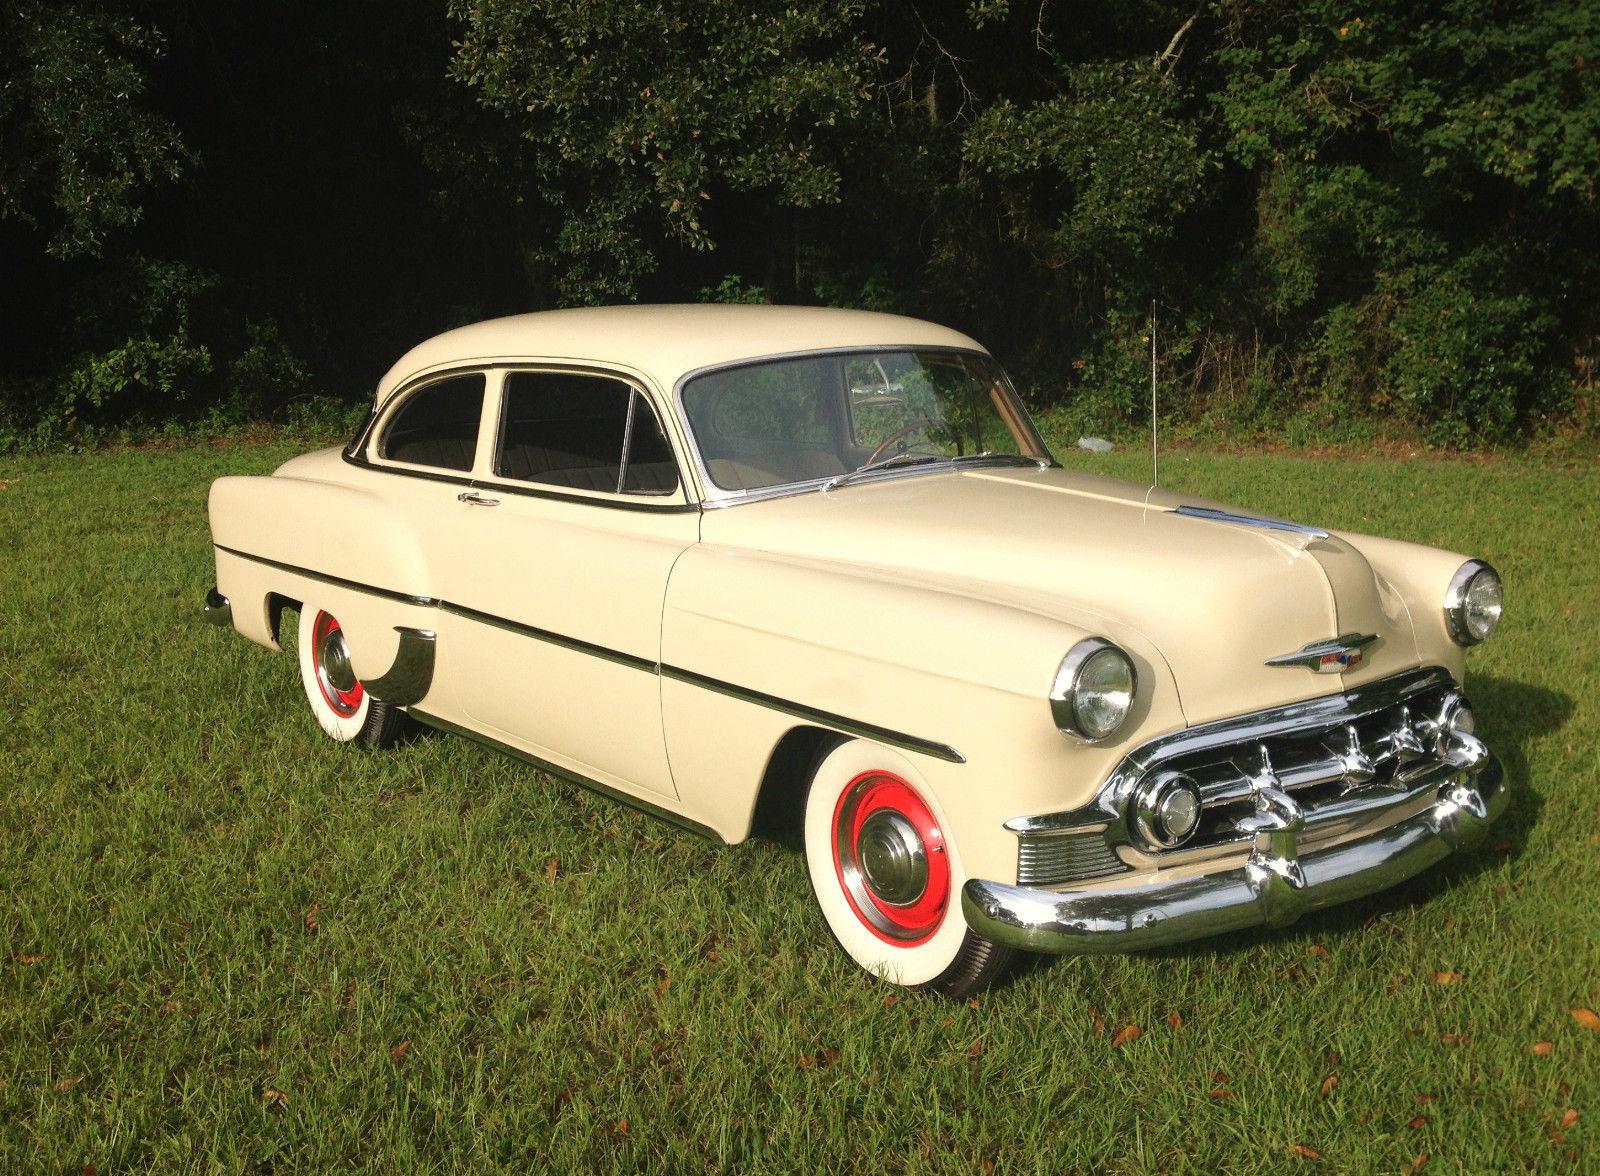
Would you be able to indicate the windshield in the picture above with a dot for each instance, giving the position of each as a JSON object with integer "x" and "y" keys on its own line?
{"x": 831, "y": 416}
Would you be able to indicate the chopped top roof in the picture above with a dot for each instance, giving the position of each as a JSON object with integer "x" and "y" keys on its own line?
{"x": 665, "y": 342}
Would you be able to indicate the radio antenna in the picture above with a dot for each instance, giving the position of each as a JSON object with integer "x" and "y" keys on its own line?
{"x": 1155, "y": 464}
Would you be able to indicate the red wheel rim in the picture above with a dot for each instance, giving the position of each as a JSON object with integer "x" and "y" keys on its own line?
{"x": 890, "y": 859}
{"x": 330, "y": 664}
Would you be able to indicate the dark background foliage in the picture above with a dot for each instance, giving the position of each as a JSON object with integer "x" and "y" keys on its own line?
{"x": 1377, "y": 217}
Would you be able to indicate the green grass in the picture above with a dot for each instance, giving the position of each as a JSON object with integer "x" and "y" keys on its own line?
{"x": 582, "y": 987}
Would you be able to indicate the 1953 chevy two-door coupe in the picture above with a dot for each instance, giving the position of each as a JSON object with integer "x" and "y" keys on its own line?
{"x": 738, "y": 564}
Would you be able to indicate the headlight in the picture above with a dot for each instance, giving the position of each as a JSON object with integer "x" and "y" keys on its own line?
{"x": 1166, "y": 810}
{"x": 1093, "y": 690}
{"x": 1472, "y": 605}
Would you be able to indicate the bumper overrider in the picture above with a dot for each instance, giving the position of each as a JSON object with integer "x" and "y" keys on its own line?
{"x": 1448, "y": 802}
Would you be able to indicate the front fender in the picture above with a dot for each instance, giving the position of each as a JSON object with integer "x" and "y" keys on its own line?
{"x": 931, "y": 662}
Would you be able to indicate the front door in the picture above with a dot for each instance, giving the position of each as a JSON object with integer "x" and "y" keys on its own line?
{"x": 563, "y": 546}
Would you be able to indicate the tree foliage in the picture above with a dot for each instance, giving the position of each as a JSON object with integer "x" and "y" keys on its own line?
{"x": 1338, "y": 213}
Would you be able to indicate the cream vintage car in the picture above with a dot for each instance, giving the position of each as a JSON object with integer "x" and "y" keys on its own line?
{"x": 814, "y": 572}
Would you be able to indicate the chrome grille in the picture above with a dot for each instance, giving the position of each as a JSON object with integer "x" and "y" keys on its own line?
{"x": 1339, "y": 773}
{"x": 1057, "y": 858}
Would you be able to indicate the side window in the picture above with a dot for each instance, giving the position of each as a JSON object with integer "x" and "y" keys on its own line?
{"x": 437, "y": 426}
{"x": 570, "y": 430}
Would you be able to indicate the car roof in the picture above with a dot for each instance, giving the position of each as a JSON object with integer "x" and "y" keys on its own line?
{"x": 665, "y": 342}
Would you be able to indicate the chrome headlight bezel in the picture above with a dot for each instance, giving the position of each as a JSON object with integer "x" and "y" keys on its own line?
{"x": 1067, "y": 696}
{"x": 1458, "y": 603}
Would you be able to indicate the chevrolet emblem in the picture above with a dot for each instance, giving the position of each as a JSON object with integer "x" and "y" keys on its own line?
{"x": 1328, "y": 657}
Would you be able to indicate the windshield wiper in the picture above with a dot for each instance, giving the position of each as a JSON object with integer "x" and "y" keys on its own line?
{"x": 893, "y": 459}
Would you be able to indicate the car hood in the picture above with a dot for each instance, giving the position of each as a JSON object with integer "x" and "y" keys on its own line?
{"x": 1217, "y": 599}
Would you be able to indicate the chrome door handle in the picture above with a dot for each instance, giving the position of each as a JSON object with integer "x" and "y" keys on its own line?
{"x": 473, "y": 498}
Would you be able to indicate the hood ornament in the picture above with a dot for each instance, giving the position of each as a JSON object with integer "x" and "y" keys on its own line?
{"x": 1329, "y": 657}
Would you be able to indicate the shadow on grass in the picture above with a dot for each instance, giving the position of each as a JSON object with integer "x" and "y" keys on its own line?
{"x": 1511, "y": 715}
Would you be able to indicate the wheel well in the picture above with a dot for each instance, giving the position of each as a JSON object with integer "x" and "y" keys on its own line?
{"x": 780, "y": 805}
{"x": 276, "y": 604}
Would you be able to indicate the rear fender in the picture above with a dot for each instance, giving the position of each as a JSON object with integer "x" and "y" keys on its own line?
{"x": 322, "y": 545}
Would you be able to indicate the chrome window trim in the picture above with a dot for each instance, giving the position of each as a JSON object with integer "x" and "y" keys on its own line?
{"x": 357, "y": 452}
{"x": 636, "y": 391}
{"x": 397, "y": 402}
{"x": 1455, "y": 599}
{"x": 713, "y": 497}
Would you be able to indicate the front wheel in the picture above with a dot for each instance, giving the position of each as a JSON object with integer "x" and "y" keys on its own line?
{"x": 886, "y": 878}
{"x": 342, "y": 705}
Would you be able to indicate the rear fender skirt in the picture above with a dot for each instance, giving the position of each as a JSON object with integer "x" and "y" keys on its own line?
{"x": 408, "y": 679}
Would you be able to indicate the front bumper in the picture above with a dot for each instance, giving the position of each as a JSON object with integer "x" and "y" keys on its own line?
{"x": 1273, "y": 887}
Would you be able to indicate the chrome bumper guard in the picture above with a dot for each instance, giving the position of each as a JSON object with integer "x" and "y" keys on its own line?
{"x": 216, "y": 609}
{"x": 1273, "y": 887}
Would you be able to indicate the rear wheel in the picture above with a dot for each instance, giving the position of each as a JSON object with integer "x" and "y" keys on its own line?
{"x": 342, "y": 705}
{"x": 886, "y": 878}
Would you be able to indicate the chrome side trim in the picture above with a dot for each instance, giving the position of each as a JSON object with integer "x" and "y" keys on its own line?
{"x": 1244, "y": 520}
{"x": 569, "y": 775}
{"x": 577, "y": 645}
{"x": 1316, "y": 656}
{"x": 337, "y": 581}
{"x": 408, "y": 679}
{"x": 217, "y": 608}
{"x": 823, "y": 718}
{"x": 1316, "y": 714}
{"x": 1274, "y": 885}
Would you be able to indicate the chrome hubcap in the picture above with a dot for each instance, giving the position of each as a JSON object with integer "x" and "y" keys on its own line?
{"x": 893, "y": 861}
{"x": 333, "y": 660}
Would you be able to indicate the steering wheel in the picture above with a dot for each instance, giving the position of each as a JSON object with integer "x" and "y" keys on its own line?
{"x": 921, "y": 425}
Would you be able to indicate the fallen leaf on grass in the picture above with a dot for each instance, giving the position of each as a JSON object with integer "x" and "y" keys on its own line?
{"x": 1587, "y": 1018}
{"x": 1568, "y": 1119}
{"x": 622, "y": 1126}
{"x": 1174, "y": 1021}
{"x": 274, "y": 1098}
{"x": 1126, "y": 1034}
{"x": 1220, "y": 1078}
{"x": 69, "y": 1083}
{"x": 1542, "y": 1049}
{"x": 1329, "y": 1083}
{"x": 29, "y": 957}
{"x": 401, "y": 1050}
{"x": 1304, "y": 1152}
{"x": 1445, "y": 979}
{"x": 552, "y": 866}
{"x": 1417, "y": 1121}
{"x": 1422, "y": 1098}
{"x": 311, "y": 917}
{"x": 5, "y": 483}
{"x": 1220, "y": 1093}
{"x": 975, "y": 1050}
{"x": 890, "y": 1000}
{"x": 1316, "y": 949}
{"x": 974, "y": 1003}
{"x": 1415, "y": 1165}
{"x": 1453, "y": 1038}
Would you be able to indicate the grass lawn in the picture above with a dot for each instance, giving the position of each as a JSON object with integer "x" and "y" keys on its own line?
{"x": 226, "y": 943}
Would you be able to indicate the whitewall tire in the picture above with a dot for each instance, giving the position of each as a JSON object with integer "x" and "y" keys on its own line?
{"x": 887, "y": 878}
{"x": 343, "y": 707}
